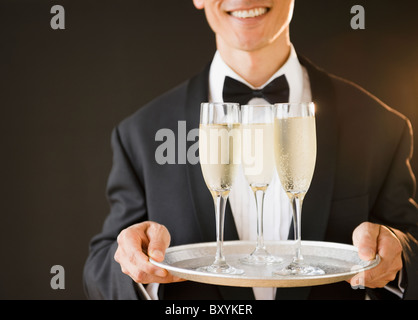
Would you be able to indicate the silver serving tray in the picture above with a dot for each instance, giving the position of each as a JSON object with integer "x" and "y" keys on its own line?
{"x": 339, "y": 261}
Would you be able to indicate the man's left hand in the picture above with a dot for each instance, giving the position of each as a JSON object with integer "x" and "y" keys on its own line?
{"x": 372, "y": 239}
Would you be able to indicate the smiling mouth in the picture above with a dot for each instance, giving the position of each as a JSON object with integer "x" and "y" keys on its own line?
{"x": 251, "y": 13}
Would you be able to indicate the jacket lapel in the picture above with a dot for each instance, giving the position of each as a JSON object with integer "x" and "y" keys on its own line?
{"x": 317, "y": 203}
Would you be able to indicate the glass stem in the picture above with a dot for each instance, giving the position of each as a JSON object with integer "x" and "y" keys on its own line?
{"x": 297, "y": 200}
{"x": 220, "y": 199}
{"x": 259, "y": 194}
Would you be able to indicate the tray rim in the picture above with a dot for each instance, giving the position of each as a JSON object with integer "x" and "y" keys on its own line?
{"x": 274, "y": 281}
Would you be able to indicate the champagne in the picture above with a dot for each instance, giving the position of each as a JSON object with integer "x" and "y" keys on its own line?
{"x": 220, "y": 157}
{"x": 220, "y": 154}
{"x": 295, "y": 152}
{"x": 258, "y": 153}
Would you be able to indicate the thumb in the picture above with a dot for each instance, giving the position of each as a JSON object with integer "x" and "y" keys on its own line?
{"x": 365, "y": 239}
{"x": 159, "y": 241}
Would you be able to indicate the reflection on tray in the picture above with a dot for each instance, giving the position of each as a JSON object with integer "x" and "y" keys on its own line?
{"x": 339, "y": 261}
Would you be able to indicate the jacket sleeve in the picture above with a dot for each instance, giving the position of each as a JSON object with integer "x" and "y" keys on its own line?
{"x": 396, "y": 208}
{"x": 102, "y": 276}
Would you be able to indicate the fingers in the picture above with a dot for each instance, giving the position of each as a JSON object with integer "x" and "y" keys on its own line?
{"x": 138, "y": 241}
{"x": 159, "y": 241}
{"x": 365, "y": 239}
{"x": 389, "y": 248}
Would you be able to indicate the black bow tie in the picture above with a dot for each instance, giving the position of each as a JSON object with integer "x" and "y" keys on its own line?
{"x": 277, "y": 91}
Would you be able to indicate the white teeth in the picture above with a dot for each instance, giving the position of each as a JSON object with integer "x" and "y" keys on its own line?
{"x": 249, "y": 13}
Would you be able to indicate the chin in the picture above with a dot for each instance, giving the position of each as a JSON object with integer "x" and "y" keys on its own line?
{"x": 250, "y": 44}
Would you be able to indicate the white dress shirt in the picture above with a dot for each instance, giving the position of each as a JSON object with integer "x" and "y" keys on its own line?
{"x": 277, "y": 210}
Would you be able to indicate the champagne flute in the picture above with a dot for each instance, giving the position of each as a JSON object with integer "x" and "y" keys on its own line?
{"x": 259, "y": 167}
{"x": 220, "y": 157}
{"x": 295, "y": 155}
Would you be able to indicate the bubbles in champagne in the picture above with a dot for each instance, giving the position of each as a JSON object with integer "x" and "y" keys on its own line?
{"x": 295, "y": 152}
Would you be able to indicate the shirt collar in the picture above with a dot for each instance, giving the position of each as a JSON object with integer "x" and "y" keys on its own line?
{"x": 291, "y": 68}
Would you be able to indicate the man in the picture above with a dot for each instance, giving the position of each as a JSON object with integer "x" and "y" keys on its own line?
{"x": 361, "y": 190}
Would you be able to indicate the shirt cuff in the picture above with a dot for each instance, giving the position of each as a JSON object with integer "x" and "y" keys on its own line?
{"x": 149, "y": 291}
{"x": 399, "y": 290}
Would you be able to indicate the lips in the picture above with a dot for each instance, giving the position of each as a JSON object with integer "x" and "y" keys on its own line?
{"x": 250, "y": 13}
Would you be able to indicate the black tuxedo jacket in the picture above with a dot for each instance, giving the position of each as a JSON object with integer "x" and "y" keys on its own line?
{"x": 362, "y": 174}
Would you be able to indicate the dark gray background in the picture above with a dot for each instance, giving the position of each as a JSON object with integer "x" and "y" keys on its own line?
{"x": 62, "y": 92}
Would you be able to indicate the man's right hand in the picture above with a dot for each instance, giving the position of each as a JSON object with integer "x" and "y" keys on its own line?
{"x": 138, "y": 243}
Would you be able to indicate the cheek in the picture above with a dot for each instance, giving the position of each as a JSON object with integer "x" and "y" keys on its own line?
{"x": 282, "y": 14}
{"x": 216, "y": 19}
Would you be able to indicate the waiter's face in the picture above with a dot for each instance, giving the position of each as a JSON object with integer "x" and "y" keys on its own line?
{"x": 247, "y": 24}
